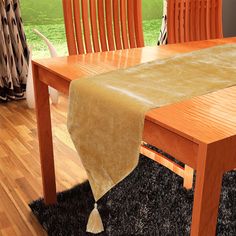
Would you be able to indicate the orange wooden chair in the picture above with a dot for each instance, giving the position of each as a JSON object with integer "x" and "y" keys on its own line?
{"x": 102, "y": 25}
{"x": 192, "y": 20}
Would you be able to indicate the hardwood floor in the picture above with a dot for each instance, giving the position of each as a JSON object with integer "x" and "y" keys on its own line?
{"x": 20, "y": 178}
{"x": 20, "y": 174}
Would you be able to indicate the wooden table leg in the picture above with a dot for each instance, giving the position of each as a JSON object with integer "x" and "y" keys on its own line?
{"x": 188, "y": 177}
{"x": 45, "y": 138}
{"x": 207, "y": 193}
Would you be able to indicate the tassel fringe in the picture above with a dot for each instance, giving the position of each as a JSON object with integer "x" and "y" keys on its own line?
{"x": 95, "y": 225}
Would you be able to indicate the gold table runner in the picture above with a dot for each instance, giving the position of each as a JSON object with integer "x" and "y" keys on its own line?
{"x": 107, "y": 112}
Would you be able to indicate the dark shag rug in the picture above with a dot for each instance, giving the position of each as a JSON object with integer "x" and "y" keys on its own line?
{"x": 150, "y": 201}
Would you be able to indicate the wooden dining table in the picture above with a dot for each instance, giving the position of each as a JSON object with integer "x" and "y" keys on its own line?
{"x": 200, "y": 132}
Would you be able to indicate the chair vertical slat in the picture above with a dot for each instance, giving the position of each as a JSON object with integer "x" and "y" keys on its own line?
{"x": 69, "y": 27}
{"x": 197, "y": 19}
{"x": 85, "y": 19}
{"x": 192, "y": 20}
{"x": 138, "y": 23}
{"x": 208, "y": 19}
{"x": 170, "y": 21}
{"x": 130, "y": 7}
{"x": 219, "y": 29}
{"x": 102, "y": 30}
{"x": 102, "y": 25}
{"x": 123, "y": 20}
{"x": 108, "y": 4}
{"x": 117, "y": 24}
{"x": 186, "y": 21}
{"x": 213, "y": 19}
{"x": 78, "y": 29}
{"x": 181, "y": 21}
{"x": 200, "y": 11}
{"x": 203, "y": 20}
{"x": 93, "y": 18}
{"x": 176, "y": 21}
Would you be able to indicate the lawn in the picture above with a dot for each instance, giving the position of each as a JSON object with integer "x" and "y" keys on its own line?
{"x": 56, "y": 34}
{"x": 50, "y": 11}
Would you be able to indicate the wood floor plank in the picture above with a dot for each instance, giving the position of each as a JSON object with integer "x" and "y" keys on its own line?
{"x": 9, "y": 231}
{"x": 12, "y": 213}
{"x": 20, "y": 173}
{"x": 4, "y": 221}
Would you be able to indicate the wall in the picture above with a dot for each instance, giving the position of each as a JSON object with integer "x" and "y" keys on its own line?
{"x": 229, "y": 18}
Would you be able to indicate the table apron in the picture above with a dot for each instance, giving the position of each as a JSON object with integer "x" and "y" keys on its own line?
{"x": 181, "y": 148}
{"x": 53, "y": 80}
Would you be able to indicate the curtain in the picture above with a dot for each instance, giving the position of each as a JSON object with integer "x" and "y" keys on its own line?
{"x": 163, "y": 32}
{"x": 14, "y": 52}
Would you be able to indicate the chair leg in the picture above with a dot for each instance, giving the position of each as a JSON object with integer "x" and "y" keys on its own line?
{"x": 188, "y": 177}
{"x": 186, "y": 173}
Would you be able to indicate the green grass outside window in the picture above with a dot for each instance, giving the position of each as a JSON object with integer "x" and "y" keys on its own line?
{"x": 56, "y": 34}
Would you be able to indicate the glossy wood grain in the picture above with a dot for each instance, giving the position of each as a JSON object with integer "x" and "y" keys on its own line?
{"x": 109, "y": 24}
{"x": 202, "y": 111}
{"x": 102, "y": 25}
{"x": 94, "y": 26}
{"x": 69, "y": 27}
{"x": 216, "y": 152}
{"x": 207, "y": 190}
{"x": 92, "y": 64}
{"x": 20, "y": 169}
{"x": 86, "y": 29}
{"x": 194, "y": 20}
{"x": 102, "y": 30}
{"x": 78, "y": 29}
{"x": 138, "y": 23}
{"x": 193, "y": 141}
{"x": 45, "y": 144}
{"x": 171, "y": 165}
{"x": 123, "y": 19}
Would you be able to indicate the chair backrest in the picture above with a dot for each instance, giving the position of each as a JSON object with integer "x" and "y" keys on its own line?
{"x": 102, "y": 25}
{"x": 192, "y": 20}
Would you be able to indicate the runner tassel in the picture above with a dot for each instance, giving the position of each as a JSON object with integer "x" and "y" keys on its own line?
{"x": 95, "y": 225}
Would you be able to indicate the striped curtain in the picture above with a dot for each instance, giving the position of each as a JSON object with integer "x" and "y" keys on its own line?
{"x": 163, "y": 32}
{"x": 14, "y": 52}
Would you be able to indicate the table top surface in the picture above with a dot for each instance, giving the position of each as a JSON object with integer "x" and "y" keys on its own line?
{"x": 77, "y": 66}
{"x": 207, "y": 118}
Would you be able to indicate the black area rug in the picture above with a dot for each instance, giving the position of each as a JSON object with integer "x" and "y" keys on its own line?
{"x": 150, "y": 201}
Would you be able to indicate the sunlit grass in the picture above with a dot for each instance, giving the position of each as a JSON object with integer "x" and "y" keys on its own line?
{"x": 56, "y": 34}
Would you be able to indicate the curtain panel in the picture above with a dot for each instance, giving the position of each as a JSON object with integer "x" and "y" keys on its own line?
{"x": 163, "y": 32}
{"x": 14, "y": 52}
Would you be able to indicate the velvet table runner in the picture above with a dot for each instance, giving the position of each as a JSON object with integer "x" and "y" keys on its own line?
{"x": 107, "y": 112}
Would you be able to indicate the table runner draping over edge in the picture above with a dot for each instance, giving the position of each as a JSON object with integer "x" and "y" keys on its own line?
{"x": 107, "y": 112}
